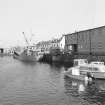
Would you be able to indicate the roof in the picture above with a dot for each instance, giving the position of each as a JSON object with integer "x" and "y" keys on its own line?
{"x": 55, "y": 40}
{"x": 85, "y": 30}
{"x": 43, "y": 42}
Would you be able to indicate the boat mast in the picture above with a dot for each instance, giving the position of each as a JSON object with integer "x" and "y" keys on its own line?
{"x": 25, "y": 39}
{"x": 31, "y": 36}
{"x": 77, "y": 44}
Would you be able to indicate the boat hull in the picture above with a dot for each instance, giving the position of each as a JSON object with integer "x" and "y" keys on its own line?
{"x": 94, "y": 75}
{"x": 27, "y": 58}
{"x": 98, "y": 75}
{"x": 76, "y": 77}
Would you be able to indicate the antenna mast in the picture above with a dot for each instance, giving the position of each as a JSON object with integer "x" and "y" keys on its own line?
{"x": 25, "y": 39}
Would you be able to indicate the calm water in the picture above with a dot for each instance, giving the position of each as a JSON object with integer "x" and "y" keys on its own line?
{"x": 44, "y": 84}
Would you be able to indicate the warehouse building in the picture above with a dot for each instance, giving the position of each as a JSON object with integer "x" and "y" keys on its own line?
{"x": 91, "y": 41}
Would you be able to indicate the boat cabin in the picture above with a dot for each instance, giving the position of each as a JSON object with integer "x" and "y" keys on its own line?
{"x": 97, "y": 63}
{"x": 84, "y": 66}
{"x": 78, "y": 62}
{"x": 92, "y": 68}
{"x": 84, "y": 69}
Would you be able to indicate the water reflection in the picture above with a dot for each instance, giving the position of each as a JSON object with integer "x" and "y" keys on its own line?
{"x": 73, "y": 87}
{"x": 90, "y": 94}
{"x": 95, "y": 92}
{"x": 59, "y": 66}
{"x": 29, "y": 63}
{"x": 56, "y": 65}
{"x": 33, "y": 83}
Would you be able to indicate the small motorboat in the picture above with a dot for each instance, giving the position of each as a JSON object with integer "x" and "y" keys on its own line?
{"x": 83, "y": 70}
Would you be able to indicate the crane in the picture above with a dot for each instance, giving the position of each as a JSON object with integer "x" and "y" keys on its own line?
{"x": 31, "y": 37}
{"x": 25, "y": 39}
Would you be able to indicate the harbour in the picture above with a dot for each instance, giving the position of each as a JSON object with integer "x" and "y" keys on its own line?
{"x": 52, "y": 52}
{"x": 34, "y": 83}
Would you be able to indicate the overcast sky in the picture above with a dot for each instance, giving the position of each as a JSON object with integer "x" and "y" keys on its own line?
{"x": 47, "y": 19}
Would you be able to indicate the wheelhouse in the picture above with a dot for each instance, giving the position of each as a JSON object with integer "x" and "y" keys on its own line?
{"x": 78, "y": 62}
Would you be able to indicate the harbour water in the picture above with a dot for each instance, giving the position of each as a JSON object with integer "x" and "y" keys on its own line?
{"x": 44, "y": 84}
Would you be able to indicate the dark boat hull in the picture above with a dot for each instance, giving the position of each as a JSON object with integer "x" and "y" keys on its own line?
{"x": 23, "y": 57}
{"x": 56, "y": 58}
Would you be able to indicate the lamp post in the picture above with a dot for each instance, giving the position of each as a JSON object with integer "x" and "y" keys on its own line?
{"x": 77, "y": 45}
{"x": 90, "y": 43}
{"x": 90, "y": 46}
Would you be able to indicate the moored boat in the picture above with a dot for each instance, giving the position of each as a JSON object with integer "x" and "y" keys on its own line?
{"x": 75, "y": 74}
{"x": 84, "y": 69}
{"x": 26, "y": 55}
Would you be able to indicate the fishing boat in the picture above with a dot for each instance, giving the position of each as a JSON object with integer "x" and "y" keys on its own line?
{"x": 83, "y": 70}
{"x": 28, "y": 54}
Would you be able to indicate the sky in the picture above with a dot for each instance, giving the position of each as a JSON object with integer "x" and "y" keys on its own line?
{"x": 47, "y": 19}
